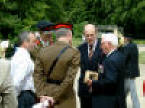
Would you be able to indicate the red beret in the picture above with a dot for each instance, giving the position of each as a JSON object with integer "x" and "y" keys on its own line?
{"x": 69, "y": 26}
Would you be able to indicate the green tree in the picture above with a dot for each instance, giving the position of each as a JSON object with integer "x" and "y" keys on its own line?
{"x": 19, "y": 15}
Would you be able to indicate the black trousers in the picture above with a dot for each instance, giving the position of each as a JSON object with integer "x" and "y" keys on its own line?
{"x": 86, "y": 102}
{"x": 26, "y": 99}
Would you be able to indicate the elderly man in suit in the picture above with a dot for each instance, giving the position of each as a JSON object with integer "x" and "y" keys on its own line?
{"x": 7, "y": 94}
{"x": 56, "y": 67}
{"x": 108, "y": 91}
{"x": 90, "y": 57}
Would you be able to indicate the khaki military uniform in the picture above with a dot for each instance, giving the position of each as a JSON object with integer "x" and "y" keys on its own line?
{"x": 7, "y": 94}
{"x": 35, "y": 52}
{"x": 65, "y": 71}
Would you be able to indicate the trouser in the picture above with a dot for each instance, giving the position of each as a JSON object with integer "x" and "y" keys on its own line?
{"x": 131, "y": 87}
{"x": 86, "y": 102}
{"x": 26, "y": 99}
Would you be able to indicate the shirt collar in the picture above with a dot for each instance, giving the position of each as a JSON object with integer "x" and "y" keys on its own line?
{"x": 62, "y": 43}
{"x": 94, "y": 45}
{"x": 23, "y": 50}
{"x": 110, "y": 52}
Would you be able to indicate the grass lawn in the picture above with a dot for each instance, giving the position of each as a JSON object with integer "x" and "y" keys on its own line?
{"x": 139, "y": 41}
{"x": 142, "y": 57}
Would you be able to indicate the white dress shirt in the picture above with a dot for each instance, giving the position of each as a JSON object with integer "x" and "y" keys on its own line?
{"x": 94, "y": 47}
{"x": 110, "y": 52}
{"x": 22, "y": 68}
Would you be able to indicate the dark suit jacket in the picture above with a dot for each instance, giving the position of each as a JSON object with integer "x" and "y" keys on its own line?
{"x": 87, "y": 64}
{"x": 131, "y": 54}
{"x": 108, "y": 92}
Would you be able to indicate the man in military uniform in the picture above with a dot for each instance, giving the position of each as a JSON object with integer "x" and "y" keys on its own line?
{"x": 45, "y": 39}
{"x": 45, "y": 29}
{"x": 56, "y": 67}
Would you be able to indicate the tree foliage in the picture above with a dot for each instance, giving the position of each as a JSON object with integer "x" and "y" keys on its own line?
{"x": 19, "y": 15}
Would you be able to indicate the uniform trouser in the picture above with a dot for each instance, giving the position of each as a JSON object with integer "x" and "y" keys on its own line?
{"x": 131, "y": 87}
{"x": 26, "y": 99}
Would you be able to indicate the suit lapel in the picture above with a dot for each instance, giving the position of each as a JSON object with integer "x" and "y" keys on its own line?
{"x": 86, "y": 53}
{"x": 95, "y": 54}
{"x": 86, "y": 59}
{"x": 111, "y": 54}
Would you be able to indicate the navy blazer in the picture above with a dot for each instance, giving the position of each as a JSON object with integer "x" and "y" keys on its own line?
{"x": 108, "y": 91}
{"x": 131, "y": 54}
{"x": 88, "y": 64}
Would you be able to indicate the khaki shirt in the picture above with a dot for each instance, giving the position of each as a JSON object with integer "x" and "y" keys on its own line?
{"x": 65, "y": 70}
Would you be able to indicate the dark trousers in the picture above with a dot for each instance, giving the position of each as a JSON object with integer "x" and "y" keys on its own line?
{"x": 86, "y": 102}
{"x": 26, "y": 99}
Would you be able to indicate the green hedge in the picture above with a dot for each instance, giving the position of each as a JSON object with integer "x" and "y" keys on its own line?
{"x": 142, "y": 57}
{"x": 139, "y": 41}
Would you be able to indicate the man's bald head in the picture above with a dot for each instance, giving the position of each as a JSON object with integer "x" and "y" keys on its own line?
{"x": 90, "y": 33}
{"x": 89, "y": 27}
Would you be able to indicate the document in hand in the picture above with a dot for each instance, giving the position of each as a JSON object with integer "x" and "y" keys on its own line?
{"x": 90, "y": 75}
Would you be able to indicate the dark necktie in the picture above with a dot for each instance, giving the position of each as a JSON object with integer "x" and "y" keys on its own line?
{"x": 90, "y": 51}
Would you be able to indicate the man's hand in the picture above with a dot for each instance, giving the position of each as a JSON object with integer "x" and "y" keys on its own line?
{"x": 46, "y": 98}
{"x": 89, "y": 82}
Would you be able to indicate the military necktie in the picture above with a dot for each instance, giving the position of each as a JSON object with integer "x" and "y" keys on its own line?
{"x": 90, "y": 51}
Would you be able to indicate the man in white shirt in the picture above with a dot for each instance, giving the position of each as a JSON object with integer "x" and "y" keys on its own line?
{"x": 22, "y": 68}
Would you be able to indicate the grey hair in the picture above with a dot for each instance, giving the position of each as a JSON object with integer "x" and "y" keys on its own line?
{"x": 24, "y": 36}
{"x": 62, "y": 32}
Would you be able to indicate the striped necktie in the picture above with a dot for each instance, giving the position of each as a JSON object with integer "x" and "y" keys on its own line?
{"x": 90, "y": 51}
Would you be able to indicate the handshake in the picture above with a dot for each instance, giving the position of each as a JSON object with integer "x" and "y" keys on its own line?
{"x": 45, "y": 102}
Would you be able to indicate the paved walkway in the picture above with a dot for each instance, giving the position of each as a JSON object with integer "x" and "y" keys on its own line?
{"x": 139, "y": 86}
{"x": 141, "y": 49}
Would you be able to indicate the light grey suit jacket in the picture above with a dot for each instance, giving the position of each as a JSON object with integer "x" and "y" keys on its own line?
{"x": 7, "y": 94}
